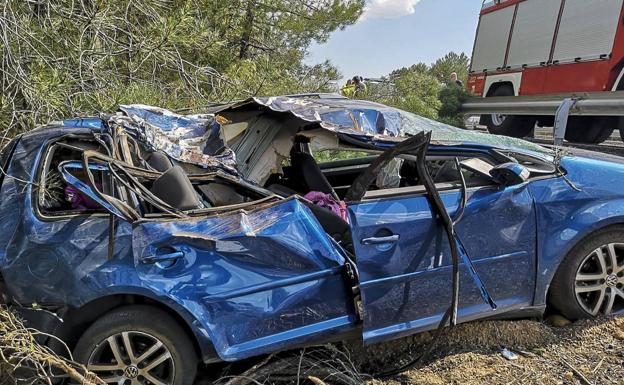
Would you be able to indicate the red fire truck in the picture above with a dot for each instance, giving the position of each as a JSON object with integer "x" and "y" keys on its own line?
{"x": 535, "y": 52}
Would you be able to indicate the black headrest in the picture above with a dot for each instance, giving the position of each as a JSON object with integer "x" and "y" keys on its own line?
{"x": 301, "y": 144}
{"x": 159, "y": 161}
{"x": 221, "y": 195}
{"x": 175, "y": 188}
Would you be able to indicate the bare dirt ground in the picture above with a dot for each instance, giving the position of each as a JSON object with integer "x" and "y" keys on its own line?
{"x": 586, "y": 352}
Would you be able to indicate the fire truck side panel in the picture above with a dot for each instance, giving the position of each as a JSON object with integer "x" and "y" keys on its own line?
{"x": 587, "y": 54}
{"x": 492, "y": 39}
{"x": 534, "y": 30}
{"x": 587, "y": 30}
{"x": 617, "y": 57}
{"x": 566, "y": 78}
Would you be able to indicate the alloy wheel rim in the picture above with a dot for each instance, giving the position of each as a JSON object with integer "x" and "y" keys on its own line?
{"x": 498, "y": 119}
{"x": 599, "y": 281}
{"x": 132, "y": 358}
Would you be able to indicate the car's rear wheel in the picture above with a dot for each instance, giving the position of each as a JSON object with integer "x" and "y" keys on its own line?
{"x": 138, "y": 345}
{"x": 590, "y": 281}
{"x": 510, "y": 125}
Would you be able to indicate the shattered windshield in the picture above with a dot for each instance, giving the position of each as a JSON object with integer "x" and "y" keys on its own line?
{"x": 373, "y": 119}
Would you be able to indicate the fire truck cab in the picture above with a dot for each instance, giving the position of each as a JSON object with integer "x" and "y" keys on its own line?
{"x": 549, "y": 47}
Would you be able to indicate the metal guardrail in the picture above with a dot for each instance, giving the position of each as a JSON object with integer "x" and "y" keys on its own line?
{"x": 588, "y": 104}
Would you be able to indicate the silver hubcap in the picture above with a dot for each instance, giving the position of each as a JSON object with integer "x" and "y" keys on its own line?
{"x": 132, "y": 358}
{"x": 498, "y": 119}
{"x": 599, "y": 283}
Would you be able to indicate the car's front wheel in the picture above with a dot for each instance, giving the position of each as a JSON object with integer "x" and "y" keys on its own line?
{"x": 590, "y": 281}
{"x": 138, "y": 345}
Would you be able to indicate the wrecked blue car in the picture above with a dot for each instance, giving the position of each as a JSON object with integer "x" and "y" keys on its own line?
{"x": 151, "y": 242}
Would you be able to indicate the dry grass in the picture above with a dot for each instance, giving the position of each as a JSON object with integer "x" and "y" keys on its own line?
{"x": 24, "y": 361}
{"x": 586, "y": 352}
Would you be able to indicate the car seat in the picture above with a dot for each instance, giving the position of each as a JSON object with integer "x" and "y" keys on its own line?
{"x": 159, "y": 161}
{"x": 219, "y": 194}
{"x": 305, "y": 171}
{"x": 175, "y": 188}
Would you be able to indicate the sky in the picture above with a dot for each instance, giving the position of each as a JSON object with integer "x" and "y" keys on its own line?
{"x": 398, "y": 33}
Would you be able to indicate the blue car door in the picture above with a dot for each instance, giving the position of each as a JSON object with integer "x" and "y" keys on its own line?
{"x": 405, "y": 264}
{"x": 257, "y": 281}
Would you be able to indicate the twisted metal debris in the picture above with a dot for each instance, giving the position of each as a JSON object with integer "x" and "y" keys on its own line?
{"x": 24, "y": 361}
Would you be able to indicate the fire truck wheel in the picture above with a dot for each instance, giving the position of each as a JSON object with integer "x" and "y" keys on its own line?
{"x": 621, "y": 127}
{"x": 589, "y": 129}
{"x": 510, "y": 125}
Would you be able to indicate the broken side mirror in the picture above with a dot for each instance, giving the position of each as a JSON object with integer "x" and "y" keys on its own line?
{"x": 110, "y": 204}
{"x": 510, "y": 174}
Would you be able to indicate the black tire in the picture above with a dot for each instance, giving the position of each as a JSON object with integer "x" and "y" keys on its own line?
{"x": 562, "y": 293}
{"x": 150, "y": 322}
{"x": 511, "y": 125}
{"x": 589, "y": 129}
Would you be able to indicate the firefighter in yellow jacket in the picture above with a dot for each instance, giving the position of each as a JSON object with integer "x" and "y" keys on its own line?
{"x": 348, "y": 89}
{"x": 354, "y": 87}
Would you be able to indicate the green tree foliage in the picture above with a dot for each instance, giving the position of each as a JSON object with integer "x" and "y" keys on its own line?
{"x": 62, "y": 58}
{"x": 425, "y": 90}
{"x": 451, "y": 62}
{"x": 451, "y": 98}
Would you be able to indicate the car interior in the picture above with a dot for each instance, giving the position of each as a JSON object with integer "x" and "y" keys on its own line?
{"x": 174, "y": 186}
{"x": 55, "y": 196}
{"x": 185, "y": 188}
{"x": 334, "y": 177}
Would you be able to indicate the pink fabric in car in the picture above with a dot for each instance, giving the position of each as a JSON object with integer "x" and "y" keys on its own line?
{"x": 78, "y": 200}
{"x": 327, "y": 201}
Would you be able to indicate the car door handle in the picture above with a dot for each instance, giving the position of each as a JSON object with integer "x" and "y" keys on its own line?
{"x": 381, "y": 240}
{"x": 160, "y": 258}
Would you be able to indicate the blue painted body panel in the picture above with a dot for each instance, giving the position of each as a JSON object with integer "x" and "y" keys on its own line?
{"x": 407, "y": 285}
{"x": 92, "y": 123}
{"x": 270, "y": 279}
{"x": 64, "y": 261}
{"x": 258, "y": 281}
{"x": 566, "y": 216}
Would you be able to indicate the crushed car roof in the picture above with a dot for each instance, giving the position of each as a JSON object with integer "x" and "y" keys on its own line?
{"x": 374, "y": 122}
{"x": 197, "y": 138}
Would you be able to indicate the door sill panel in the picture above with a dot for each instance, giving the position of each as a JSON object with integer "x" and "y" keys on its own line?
{"x": 296, "y": 336}
{"x": 473, "y": 313}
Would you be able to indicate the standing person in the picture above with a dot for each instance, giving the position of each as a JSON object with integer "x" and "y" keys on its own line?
{"x": 348, "y": 89}
{"x": 360, "y": 86}
{"x": 455, "y": 79}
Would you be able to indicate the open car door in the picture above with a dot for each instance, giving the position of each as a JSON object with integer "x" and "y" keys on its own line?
{"x": 257, "y": 279}
{"x": 405, "y": 261}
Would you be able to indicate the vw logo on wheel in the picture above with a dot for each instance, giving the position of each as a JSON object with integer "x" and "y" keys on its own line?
{"x": 611, "y": 280}
{"x": 131, "y": 372}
